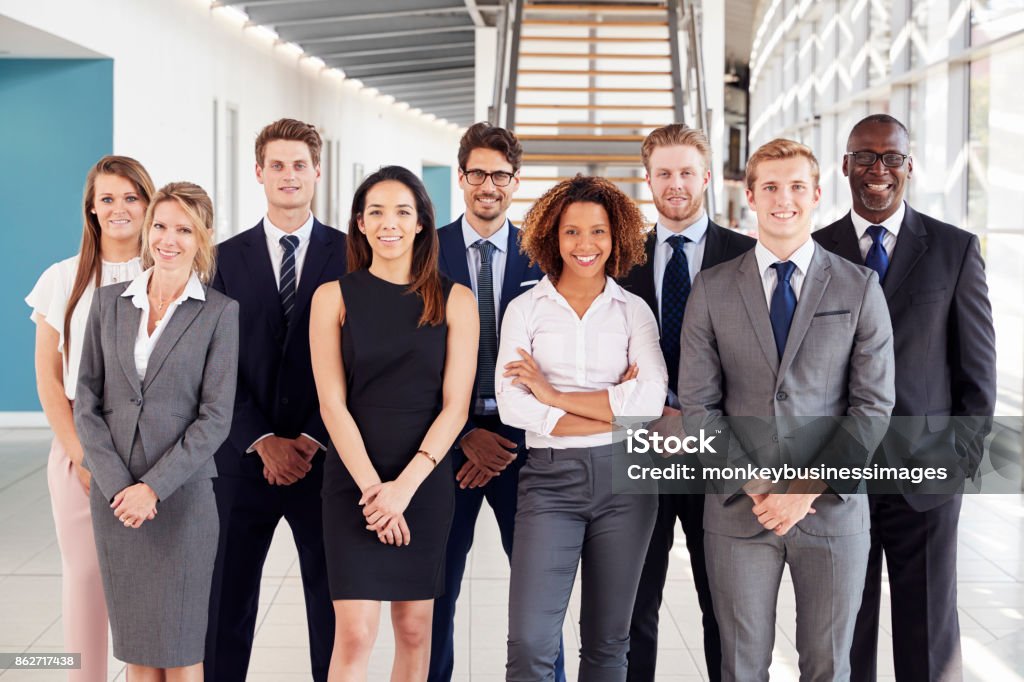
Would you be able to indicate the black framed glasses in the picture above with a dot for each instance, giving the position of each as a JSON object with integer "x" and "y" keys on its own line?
{"x": 475, "y": 176}
{"x": 889, "y": 159}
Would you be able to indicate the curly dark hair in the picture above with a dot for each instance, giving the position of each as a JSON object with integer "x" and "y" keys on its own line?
{"x": 538, "y": 237}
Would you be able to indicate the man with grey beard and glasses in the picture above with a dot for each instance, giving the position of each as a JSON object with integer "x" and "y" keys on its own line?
{"x": 933, "y": 278}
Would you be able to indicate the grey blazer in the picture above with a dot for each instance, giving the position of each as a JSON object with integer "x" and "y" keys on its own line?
{"x": 182, "y": 408}
{"x": 838, "y": 362}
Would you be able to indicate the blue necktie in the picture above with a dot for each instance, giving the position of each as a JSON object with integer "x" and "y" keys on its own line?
{"x": 877, "y": 258}
{"x": 487, "y": 353}
{"x": 675, "y": 289}
{"x": 783, "y": 304}
{"x": 287, "y": 288}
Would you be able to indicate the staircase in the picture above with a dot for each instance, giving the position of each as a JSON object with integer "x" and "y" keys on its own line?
{"x": 585, "y": 83}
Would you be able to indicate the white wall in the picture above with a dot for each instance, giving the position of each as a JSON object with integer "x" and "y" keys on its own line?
{"x": 173, "y": 58}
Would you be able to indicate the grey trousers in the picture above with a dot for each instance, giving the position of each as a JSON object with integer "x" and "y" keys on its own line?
{"x": 828, "y": 580}
{"x": 567, "y": 512}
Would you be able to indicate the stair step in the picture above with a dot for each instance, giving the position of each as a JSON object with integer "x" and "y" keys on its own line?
{"x": 596, "y": 55}
{"x": 584, "y": 159}
{"x": 581, "y": 138}
{"x": 592, "y": 24}
{"x": 592, "y": 72}
{"x": 522, "y": 88}
{"x": 534, "y": 7}
{"x": 591, "y": 39}
{"x": 596, "y": 107}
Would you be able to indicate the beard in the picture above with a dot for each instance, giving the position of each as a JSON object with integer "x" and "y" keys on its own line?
{"x": 487, "y": 212}
{"x": 685, "y": 213}
{"x": 875, "y": 202}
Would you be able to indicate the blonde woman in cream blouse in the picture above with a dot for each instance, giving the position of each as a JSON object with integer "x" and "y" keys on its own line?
{"x": 117, "y": 192}
{"x": 577, "y": 353}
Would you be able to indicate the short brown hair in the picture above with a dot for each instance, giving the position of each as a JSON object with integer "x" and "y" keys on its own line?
{"x": 672, "y": 135}
{"x": 538, "y": 236}
{"x": 486, "y": 136}
{"x": 196, "y": 204}
{"x": 289, "y": 129}
{"x": 777, "y": 150}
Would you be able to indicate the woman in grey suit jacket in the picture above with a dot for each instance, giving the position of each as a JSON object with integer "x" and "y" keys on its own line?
{"x": 156, "y": 390}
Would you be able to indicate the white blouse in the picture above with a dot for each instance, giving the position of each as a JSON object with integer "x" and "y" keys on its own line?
{"x": 49, "y": 299}
{"x": 576, "y": 354}
{"x": 144, "y": 341}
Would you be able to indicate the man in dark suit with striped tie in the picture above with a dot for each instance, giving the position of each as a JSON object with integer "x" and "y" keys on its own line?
{"x": 271, "y": 466}
{"x": 933, "y": 278}
{"x": 481, "y": 250}
{"x": 684, "y": 242}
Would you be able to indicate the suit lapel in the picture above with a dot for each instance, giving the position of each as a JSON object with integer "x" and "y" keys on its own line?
{"x": 714, "y": 246}
{"x": 643, "y": 282}
{"x": 128, "y": 319}
{"x": 752, "y": 292}
{"x": 911, "y": 244}
{"x": 844, "y": 241}
{"x": 176, "y": 326}
{"x": 516, "y": 265}
{"x": 261, "y": 274}
{"x": 318, "y": 252}
{"x": 453, "y": 253}
{"x": 811, "y": 291}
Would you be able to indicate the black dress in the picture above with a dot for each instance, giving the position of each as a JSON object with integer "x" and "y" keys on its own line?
{"x": 394, "y": 372}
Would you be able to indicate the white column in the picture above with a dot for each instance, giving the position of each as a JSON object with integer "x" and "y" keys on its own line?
{"x": 713, "y": 42}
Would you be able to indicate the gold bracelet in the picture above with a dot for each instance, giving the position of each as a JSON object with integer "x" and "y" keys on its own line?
{"x": 433, "y": 460}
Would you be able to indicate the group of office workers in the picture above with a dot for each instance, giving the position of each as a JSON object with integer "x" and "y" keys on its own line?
{"x": 375, "y": 389}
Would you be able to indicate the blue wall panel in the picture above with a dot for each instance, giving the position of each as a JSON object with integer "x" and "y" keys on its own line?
{"x": 438, "y": 181}
{"x": 56, "y": 120}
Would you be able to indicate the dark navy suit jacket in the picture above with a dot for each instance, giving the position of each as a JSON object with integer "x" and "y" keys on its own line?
{"x": 519, "y": 276}
{"x": 276, "y": 393}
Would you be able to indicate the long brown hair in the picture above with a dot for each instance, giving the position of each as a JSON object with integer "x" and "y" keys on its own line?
{"x": 90, "y": 260}
{"x": 425, "y": 278}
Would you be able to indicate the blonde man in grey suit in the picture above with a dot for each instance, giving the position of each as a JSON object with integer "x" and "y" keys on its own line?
{"x": 788, "y": 331}
{"x": 155, "y": 395}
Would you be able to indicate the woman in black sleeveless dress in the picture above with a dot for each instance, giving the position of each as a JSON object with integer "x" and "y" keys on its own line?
{"x": 394, "y": 357}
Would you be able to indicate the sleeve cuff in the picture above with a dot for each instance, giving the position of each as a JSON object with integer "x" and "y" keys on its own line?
{"x": 318, "y": 443}
{"x": 252, "y": 448}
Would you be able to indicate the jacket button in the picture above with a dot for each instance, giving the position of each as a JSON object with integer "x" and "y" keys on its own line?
{"x": 136, "y": 401}
{"x": 775, "y": 438}
{"x": 284, "y": 401}
{"x": 781, "y": 395}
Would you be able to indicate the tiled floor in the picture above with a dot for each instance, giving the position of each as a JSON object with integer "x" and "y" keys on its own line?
{"x": 991, "y": 594}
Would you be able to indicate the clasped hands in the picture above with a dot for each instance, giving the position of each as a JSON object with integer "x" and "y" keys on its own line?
{"x": 134, "y": 505}
{"x": 286, "y": 460}
{"x": 384, "y": 506}
{"x": 779, "y": 512}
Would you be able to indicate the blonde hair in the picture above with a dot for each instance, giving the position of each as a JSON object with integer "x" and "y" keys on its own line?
{"x": 196, "y": 204}
{"x": 777, "y": 150}
{"x": 672, "y": 135}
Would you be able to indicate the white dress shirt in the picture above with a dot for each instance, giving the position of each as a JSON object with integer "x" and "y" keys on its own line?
{"x": 694, "y": 250}
{"x": 144, "y": 341}
{"x": 892, "y": 230}
{"x": 498, "y": 258}
{"x": 49, "y": 299}
{"x": 274, "y": 234}
{"x": 801, "y": 258}
{"x": 588, "y": 354}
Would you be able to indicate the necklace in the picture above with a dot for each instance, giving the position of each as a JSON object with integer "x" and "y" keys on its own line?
{"x": 160, "y": 302}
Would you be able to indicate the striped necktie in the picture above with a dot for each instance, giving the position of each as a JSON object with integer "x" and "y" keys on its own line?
{"x": 287, "y": 288}
{"x": 487, "y": 354}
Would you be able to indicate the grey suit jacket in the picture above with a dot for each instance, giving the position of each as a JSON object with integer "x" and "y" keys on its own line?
{"x": 182, "y": 408}
{"x": 838, "y": 362}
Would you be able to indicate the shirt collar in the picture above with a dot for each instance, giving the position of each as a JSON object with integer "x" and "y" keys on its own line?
{"x": 274, "y": 233}
{"x": 892, "y": 223}
{"x": 694, "y": 232}
{"x": 137, "y": 290}
{"x": 545, "y": 288}
{"x": 801, "y": 257}
{"x": 471, "y": 236}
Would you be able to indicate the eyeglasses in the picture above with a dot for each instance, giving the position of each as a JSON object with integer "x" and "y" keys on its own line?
{"x": 890, "y": 159}
{"x": 478, "y": 177}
